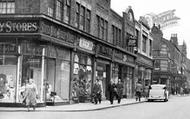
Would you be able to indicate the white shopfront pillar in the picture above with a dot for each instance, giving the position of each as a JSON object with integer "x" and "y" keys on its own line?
{"x": 19, "y": 72}
{"x": 42, "y": 76}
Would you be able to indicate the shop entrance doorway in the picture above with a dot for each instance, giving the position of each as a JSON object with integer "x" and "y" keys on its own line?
{"x": 103, "y": 74}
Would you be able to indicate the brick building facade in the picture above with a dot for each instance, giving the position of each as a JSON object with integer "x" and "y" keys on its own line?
{"x": 64, "y": 45}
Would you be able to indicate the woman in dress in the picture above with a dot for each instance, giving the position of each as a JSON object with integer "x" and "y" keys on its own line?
{"x": 31, "y": 94}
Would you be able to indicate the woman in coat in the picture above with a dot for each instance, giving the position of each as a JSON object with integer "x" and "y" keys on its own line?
{"x": 112, "y": 89}
{"x": 119, "y": 90}
{"x": 31, "y": 94}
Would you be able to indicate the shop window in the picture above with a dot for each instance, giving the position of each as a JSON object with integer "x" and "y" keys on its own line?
{"x": 8, "y": 64}
{"x": 81, "y": 83}
{"x": 7, "y": 7}
{"x": 31, "y": 68}
{"x": 62, "y": 80}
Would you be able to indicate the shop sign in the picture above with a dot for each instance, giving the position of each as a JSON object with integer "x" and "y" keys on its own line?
{"x": 18, "y": 26}
{"x": 88, "y": 45}
{"x": 57, "y": 32}
{"x": 8, "y": 49}
{"x": 32, "y": 49}
{"x": 118, "y": 55}
{"x": 106, "y": 51}
{"x": 132, "y": 41}
{"x": 100, "y": 68}
{"x": 127, "y": 58}
{"x": 146, "y": 61}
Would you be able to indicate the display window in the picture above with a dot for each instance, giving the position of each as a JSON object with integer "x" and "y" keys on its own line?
{"x": 82, "y": 79}
{"x": 31, "y": 68}
{"x": 62, "y": 80}
{"x": 57, "y": 72}
{"x": 8, "y": 72}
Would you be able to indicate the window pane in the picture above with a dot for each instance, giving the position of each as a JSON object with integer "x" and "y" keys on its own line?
{"x": 58, "y": 10}
{"x": 88, "y": 21}
{"x": 82, "y": 15}
{"x": 8, "y": 79}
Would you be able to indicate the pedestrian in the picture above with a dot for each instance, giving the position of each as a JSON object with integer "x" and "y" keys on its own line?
{"x": 119, "y": 90}
{"x": 138, "y": 91}
{"x": 31, "y": 93}
{"x": 146, "y": 90}
{"x": 112, "y": 89}
{"x": 97, "y": 92}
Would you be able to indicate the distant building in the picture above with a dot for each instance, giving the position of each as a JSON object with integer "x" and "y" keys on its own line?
{"x": 169, "y": 61}
{"x": 144, "y": 60}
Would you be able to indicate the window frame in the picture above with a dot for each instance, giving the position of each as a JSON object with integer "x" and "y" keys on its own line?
{"x": 5, "y": 8}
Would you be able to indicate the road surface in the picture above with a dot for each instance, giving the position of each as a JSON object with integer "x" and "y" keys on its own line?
{"x": 176, "y": 108}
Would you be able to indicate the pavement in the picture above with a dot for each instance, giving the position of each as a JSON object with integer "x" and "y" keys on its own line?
{"x": 79, "y": 107}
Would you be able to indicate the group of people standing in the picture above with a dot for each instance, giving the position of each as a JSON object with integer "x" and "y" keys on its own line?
{"x": 115, "y": 90}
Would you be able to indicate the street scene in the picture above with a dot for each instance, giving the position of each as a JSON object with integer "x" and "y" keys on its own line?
{"x": 94, "y": 59}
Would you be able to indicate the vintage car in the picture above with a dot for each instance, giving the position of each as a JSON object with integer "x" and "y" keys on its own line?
{"x": 158, "y": 92}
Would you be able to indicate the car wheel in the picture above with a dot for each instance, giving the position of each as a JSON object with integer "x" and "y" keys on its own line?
{"x": 165, "y": 100}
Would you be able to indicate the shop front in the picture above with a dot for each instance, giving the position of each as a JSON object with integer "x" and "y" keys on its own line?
{"x": 123, "y": 69}
{"x": 103, "y": 67}
{"x": 103, "y": 74}
{"x": 144, "y": 72}
{"x": 37, "y": 49}
{"x": 83, "y": 71}
{"x": 57, "y": 74}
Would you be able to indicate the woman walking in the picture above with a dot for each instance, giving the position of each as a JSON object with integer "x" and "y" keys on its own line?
{"x": 112, "y": 88}
{"x": 30, "y": 94}
{"x": 119, "y": 90}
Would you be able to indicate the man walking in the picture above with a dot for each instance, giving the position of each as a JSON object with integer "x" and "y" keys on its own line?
{"x": 97, "y": 92}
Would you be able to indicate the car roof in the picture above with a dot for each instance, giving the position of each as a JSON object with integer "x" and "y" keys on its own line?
{"x": 158, "y": 85}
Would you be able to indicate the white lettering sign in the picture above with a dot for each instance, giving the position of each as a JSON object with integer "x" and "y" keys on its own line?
{"x": 86, "y": 44}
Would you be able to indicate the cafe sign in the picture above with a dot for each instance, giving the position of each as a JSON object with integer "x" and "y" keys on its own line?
{"x": 18, "y": 26}
{"x": 88, "y": 45}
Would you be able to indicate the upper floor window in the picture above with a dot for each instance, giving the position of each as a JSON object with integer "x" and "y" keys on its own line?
{"x": 51, "y": 8}
{"x": 144, "y": 40}
{"x": 82, "y": 18}
{"x": 77, "y": 15}
{"x": 150, "y": 52}
{"x": 7, "y": 6}
{"x": 116, "y": 36}
{"x": 58, "y": 10}
{"x": 102, "y": 28}
{"x": 67, "y": 11}
{"x": 163, "y": 51}
{"x": 88, "y": 20}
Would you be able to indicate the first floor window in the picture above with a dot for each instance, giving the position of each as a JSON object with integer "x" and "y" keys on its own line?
{"x": 7, "y": 6}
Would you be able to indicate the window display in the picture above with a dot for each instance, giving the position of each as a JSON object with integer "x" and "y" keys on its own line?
{"x": 31, "y": 68}
{"x": 58, "y": 76}
{"x": 82, "y": 81}
{"x": 8, "y": 64}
